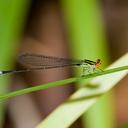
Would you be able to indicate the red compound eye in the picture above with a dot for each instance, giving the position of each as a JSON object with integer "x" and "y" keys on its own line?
{"x": 98, "y": 63}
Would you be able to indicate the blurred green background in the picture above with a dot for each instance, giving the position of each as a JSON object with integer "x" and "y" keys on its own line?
{"x": 67, "y": 28}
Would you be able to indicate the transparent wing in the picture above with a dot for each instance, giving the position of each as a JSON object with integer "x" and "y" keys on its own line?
{"x": 42, "y": 61}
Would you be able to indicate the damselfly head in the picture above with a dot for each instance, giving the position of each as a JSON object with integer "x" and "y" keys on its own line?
{"x": 98, "y": 63}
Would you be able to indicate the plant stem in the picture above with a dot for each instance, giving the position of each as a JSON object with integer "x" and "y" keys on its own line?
{"x": 59, "y": 83}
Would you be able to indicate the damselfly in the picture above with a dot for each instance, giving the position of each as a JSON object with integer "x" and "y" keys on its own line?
{"x": 33, "y": 62}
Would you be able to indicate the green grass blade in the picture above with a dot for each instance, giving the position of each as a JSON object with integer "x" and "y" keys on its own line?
{"x": 87, "y": 40}
{"x": 59, "y": 83}
{"x": 11, "y": 20}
